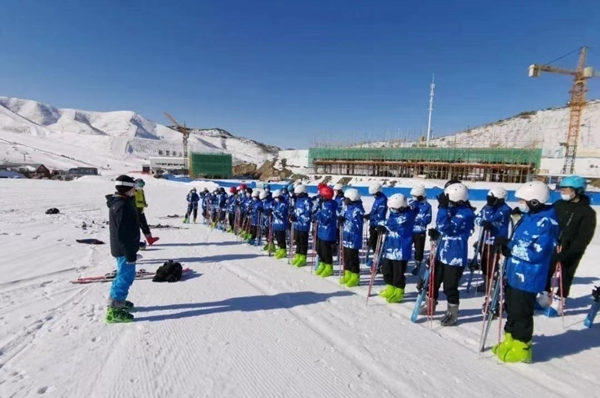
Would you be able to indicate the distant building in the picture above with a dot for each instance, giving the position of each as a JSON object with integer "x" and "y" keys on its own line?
{"x": 166, "y": 164}
{"x": 10, "y": 174}
{"x": 29, "y": 170}
{"x": 83, "y": 171}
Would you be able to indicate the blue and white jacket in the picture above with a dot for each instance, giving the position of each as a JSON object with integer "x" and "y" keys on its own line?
{"x": 303, "y": 213}
{"x": 326, "y": 218}
{"x": 423, "y": 215}
{"x": 256, "y": 208}
{"x": 232, "y": 202}
{"x": 378, "y": 211}
{"x": 531, "y": 250}
{"x": 280, "y": 214}
{"x": 499, "y": 216}
{"x": 352, "y": 234}
{"x": 455, "y": 228}
{"x": 398, "y": 241}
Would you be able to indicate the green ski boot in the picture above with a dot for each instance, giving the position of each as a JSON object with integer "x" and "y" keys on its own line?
{"x": 301, "y": 261}
{"x": 320, "y": 269}
{"x": 385, "y": 293}
{"x": 295, "y": 259}
{"x": 503, "y": 347}
{"x": 396, "y": 296}
{"x": 280, "y": 253}
{"x": 327, "y": 271}
{"x": 118, "y": 315}
{"x": 345, "y": 277}
{"x": 353, "y": 280}
{"x": 518, "y": 352}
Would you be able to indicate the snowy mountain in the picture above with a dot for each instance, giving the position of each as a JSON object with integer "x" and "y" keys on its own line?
{"x": 61, "y": 138}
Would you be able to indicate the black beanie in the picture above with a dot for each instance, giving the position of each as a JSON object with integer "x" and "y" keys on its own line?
{"x": 124, "y": 183}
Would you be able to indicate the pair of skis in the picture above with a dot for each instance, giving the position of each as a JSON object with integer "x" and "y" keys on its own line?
{"x": 494, "y": 299}
{"x": 428, "y": 288}
{"x": 110, "y": 276}
{"x": 377, "y": 254}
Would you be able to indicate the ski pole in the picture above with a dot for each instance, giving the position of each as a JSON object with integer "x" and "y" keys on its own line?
{"x": 376, "y": 258}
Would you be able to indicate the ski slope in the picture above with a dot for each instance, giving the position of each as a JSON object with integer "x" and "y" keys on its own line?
{"x": 244, "y": 324}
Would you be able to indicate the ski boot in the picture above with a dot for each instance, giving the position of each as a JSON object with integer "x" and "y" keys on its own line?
{"x": 423, "y": 309}
{"x": 320, "y": 269}
{"x": 503, "y": 347}
{"x": 185, "y": 220}
{"x": 518, "y": 352}
{"x": 555, "y": 309}
{"x": 151, "y": 239}
{"x": 301, "y": 261}
{"x": 327, "y": 271}
{"x": 388, "y": 291}
{"x": 295, "y": 259}
{"x": 280, "y": 253}
{"x": 353, "y": 280}
{"x": 451, "y": 316}
{"x": 345, "y": 277}
{"x": 118, "y": 315}
{"x": 396, "y": 296}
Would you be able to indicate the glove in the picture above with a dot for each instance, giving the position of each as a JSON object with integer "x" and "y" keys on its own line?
{"x": 501, "y": 246}
{"x": 516, "y": 211}
{"x": 366, "y": 216}
{"x": 433, "y": 234}
{"x": 293, "y": 218}
{"x": 487, "y": 225}
{"x": 381, "y": 229}
{"x": 131, "y": 259}
{"x": 341, "y": 220}
{"x": 443, "y": 201}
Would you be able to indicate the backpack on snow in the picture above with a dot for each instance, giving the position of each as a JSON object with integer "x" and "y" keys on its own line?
{"x": 170, "y": 271}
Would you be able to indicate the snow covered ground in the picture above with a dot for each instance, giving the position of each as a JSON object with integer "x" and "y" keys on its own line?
{"x": 243, "y": 324}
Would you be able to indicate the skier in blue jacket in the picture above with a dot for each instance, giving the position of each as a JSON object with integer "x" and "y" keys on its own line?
{"x": 255, "y": 213}
{"x": 326, "y": 219}
{"x": 377, "y": 214}
{"x": 452, "y": 232}
{"x": 422, "y": 209}
{"x": 528, "y": 255}
{"x": 352, "y": 224}
{"x": 301, "y": 217}
{"x": 232, "y": 204}
{"x": 279, "y": 222}
{"x": 267, "y": 204}
{"x": 494, "y": 218}
{"x": 192, "y": 199}
{"x": 397, "y": 247}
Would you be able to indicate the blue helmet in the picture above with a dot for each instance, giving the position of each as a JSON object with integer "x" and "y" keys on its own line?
{"x": 577, "y": 183}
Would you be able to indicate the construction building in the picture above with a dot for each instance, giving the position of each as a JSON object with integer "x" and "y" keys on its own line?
{"x": 471, "y": 164}
{"x": 210, "y": 165}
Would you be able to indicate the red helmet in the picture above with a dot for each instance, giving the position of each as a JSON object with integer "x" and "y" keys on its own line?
{"x": 232, "y": 190}
{"x": 326, "y": 192}
{"x": 321, "y": 185}
{"x": 243, "y": 187}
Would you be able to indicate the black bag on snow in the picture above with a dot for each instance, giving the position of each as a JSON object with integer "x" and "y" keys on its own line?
{"x": 52, "y": 210}
{"x": 170, "y": 271}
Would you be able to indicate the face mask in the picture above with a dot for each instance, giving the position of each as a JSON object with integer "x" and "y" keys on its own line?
{"x": 566, "y": 197}
{"x": 523, "y": 207}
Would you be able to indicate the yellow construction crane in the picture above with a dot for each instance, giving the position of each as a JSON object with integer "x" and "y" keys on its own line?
{"x": 186, "y": 133}
{"x": 581, "y": 74}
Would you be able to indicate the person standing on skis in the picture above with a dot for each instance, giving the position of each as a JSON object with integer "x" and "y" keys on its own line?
{"x": 377, "y": 214}
{"x": 396, "y": 248}
{"x": 301, "y": 217}
{"x": 232, "y": 205}
{"x": 140, "y": 204}
{"x": 422, "y": 208}
{"x": 577, "y": 223}
{"x": 279, "y": 222}
{"x": 255, "y": 212}
{"x": 326, "y": 219}
{"x": 453, "y": 231}
{"x": 124, "y": 231}
{"x": 527, "y": 261}
{"x": 494, "y": 219}
{"x": 351, "y": 223}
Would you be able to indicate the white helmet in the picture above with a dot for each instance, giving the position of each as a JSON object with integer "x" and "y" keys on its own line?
{"x": 352, "y": 194}
{"x": 457, "y": 192}
{"x": 263, "y": 194}
{"x": 533, "y": 190}
{"x": 277, "y": 193}
{"x": 419, "y": 190}
{"x": 338, "y": 187}
{"x": 300, "y": 188}
{"x": 374, "y": 187}
{"x": 255, "y": 193}
{"x": 397, "y": 201}
{"x": 498, "y": 193}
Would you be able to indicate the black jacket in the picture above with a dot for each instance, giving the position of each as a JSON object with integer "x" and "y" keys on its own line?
{"x": 124, "y": 226}
{"x": 577, "y": 223}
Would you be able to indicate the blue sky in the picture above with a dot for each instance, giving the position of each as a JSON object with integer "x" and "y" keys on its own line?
{"x": 292, "y": 73}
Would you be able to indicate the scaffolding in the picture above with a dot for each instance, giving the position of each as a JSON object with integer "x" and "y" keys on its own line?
{"x": 210, "y": 165}
{"x": 474, "y": 164}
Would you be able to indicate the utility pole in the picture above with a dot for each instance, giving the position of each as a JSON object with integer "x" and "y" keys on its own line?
{"x": 430, "y": 109}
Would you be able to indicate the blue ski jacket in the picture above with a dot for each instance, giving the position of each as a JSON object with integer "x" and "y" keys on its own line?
{"x": 352, "y": 234}
{"x": 378, "y": 211}
{"x": 326, "y": 218}
{"x": 280, "y": 215}
{"x": 531, "y": 250}
{"x": 455, "y": 228}
{"x": 255, "y": 212}
{"x": 398, "y": 241}
{"x": 423, "y": 215}
{"x": 339, "y": 199}
{"x": 303, "y": 213}
{"x": 232, "y": 203}
{"x": 499, "y": 216}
